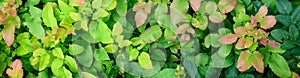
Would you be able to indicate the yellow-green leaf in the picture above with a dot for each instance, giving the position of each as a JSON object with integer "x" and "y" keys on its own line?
{"x": 144, "y": 60}
{"x": 48, "y": 16}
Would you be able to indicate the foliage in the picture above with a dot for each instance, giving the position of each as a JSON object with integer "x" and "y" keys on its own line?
{"x": 149, "y": 38}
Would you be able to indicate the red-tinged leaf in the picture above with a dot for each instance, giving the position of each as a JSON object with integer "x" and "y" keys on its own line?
{"x": 195, "y": 4}
{"x": 137, "y": 6}
{"x": 240, "y": 44}
{"x": 263, "y": 10}
{"x": 253, "y": 22}
{"x": 226, "y": 6}
{"x": 249, "y": 42}
{"x": 295, "y": 75}
{"x": 17, "y": 64}
{"x": 140, "y": 17}
{"x": 13, "y": 12}
{"x": 228, "y": 39}
{"x": 211, "y": 7}
{"x": 17, "y": 71}
{"x": 76, "y": 2}
{"x": 268, "y": 22}
{"x": 263, "y": 41}
{"x": 256, "y": 60}
{"x": 243, "y": 61}
{"x": 191, "y": 31}
{"x": 273, "y": 43}
{"x": 184, "y": 37}
{"x": 217, "y": 17}
{"x": 148, "y": 7}
{"x": 182, "y": 29}
{"x": 8, "y": 34}
{"x": 240, "y": 31}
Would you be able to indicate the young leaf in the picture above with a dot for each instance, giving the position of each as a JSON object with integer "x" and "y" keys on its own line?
{"x": 228, "y": 39}
{"x": 117, "y": 29}
{"x": 243, "y": 61}
{"x": 263, "y": 10}
{"x": 150, "y": 35}
{"x": 226, "y": 6}
{"x": 144, "y": 60}
{"x": 111, "y": 48}
{"x": 195, "y": 4}
{"x": 57, "y": 52}
{"x": 44, "y": 61}
{"x": 279, "y": 65}
{"x": 284, "y": 7}
{"x": 240, "y": 31}
{"x": 211, "y": 7}
{"x": 56, "y": 67}
{"x": 8, "y": 34}
{"x": 256, "y": 59}
{"x": 71, "y": 63}
{"x": 48, "y": 17}
{"x": 268, "y": 22}
{"x": 65, "y": 8}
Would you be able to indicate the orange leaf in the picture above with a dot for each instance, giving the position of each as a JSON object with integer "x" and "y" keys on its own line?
{"x": 228, "y": 39}
{"x": 195, "y": 4}
{"x": 8, "y": 34}
{"x": 268, "y": 22}
{"x": 243, "y": 61}
{"x": 256, "y": 60}
{"x": 140, "y": 17}
{"x": 263, "y": 41}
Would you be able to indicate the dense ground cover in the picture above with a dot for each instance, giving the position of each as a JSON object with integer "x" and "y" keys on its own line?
{"x": 149, "y": 38}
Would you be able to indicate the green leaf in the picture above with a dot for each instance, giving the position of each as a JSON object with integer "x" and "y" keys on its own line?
{"x": 144, "y": 60}
{"x": 207, "y": 41}
{"x": 279, "y": 65}
{"x": 35, "y": 12}
{"x": 284, "y": 19}
{"x": 35, "y": 27}
{"x": 57, "y": 52}
{"x": 32, "y": 2}
{"x": 56, "y": 67}
{"x": 101, "y": 54}
{"x": 214, "y": 40}
{"x": 124, "y": 43}
{"x": 150, "y": 35}
{"x": 296, "y": 16}
{"x": 225, "y": 50}
{"x": 169, "y": 34}
{"x": 75, "y": 49}
{"x": 48, "y": 17}
{"x": 274, "y": 49}
{"x": 293, "y": 32}
{"x": 165, "y": 73}
{"x": 121, "y": 7}
{"x": 22, "y": 50}
{"x": 278, "y": 34}
{"x": 86, "y": 58}
{"x": 178, "y": 8}
{"x": 284, "y": 6}
{"x": 105, "y": 35}
{"x": 112, "y": 5}
{"x": 71, "y": 63}
{"x": 220, "y": 62}
{"x": 204, "y": 59}
{"x": 67, "y": 73}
